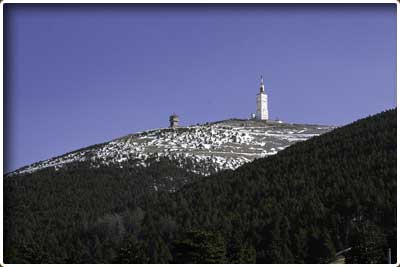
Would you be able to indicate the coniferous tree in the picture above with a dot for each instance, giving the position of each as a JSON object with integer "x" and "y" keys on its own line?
{"x": 368, "y": 245}
{"x": 200, "y": 246}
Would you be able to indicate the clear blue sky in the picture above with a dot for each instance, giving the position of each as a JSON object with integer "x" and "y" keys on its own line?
{"x": 77, "y": 75}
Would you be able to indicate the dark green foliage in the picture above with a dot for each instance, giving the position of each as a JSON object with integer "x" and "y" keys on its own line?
{"x": 132, "y": 251}
{"x": 368, "y": 245}
{"x": 240, "y": 250}
{"x": 300, "y": 206}
{"x": 199, "y": 247}
{"x": 80, "y": 214}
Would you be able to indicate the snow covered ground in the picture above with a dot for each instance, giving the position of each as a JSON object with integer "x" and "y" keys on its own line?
{"x": 221, "y": 145}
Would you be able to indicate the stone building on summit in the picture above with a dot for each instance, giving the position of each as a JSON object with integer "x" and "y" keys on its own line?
{"x": 173, "y": 121}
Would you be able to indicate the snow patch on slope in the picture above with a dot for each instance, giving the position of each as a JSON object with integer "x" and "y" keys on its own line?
{"x": 210, "y": 148}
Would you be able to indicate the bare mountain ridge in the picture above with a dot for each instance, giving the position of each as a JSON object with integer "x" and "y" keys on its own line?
{"x": 209, "y": 148}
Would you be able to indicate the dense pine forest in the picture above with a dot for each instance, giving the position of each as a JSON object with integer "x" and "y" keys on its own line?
{"x": 303, "y": 205}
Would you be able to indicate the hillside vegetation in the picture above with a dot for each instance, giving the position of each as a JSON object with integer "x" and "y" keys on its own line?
{"x": 331, "y": 192}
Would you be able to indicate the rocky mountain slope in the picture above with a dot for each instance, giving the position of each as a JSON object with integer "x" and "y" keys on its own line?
{"x": 205, "y": 148}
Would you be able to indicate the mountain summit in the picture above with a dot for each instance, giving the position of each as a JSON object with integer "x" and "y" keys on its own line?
{"x": 206, "y": 148}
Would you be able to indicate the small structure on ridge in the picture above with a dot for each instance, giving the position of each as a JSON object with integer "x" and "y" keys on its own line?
{"x": 173, "y": 121}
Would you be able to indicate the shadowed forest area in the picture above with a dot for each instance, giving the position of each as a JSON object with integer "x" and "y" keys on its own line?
{"x": 315, "y": 198}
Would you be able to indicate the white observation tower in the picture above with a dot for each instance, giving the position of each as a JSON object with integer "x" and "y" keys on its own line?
{"x": 262, "y": 103}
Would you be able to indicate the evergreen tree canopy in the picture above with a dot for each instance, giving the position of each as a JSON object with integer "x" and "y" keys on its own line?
{"x": 315, "y": 198}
